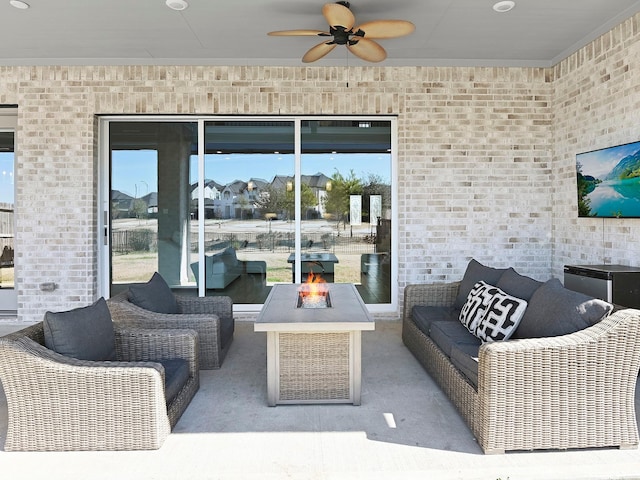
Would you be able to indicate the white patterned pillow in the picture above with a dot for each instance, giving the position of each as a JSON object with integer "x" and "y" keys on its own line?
{"x": 501, "y": 318}
{"x": 473, "y": 310}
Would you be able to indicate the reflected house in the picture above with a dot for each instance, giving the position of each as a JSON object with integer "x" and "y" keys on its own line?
{"x": 212, "y": 193}
{"x": 123, "y": 204}
{"x": 317, "y": 183}
{"x": 240, "y": 199}
{"x": 151, "y": 199}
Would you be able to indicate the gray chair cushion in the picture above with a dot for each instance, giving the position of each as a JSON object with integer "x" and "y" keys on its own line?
{"x": 554, "y": 310}
{"x": 84, "y": 333}
{"x": 424, "y": 315}
{"x": 176, "y": 374}
{"x": 518, "y": 285}
{"x": 155, "y": 296}
{"x": 446, "y": 334}
{"x": 464, "y": 357}
{"x": 474, "y": 273}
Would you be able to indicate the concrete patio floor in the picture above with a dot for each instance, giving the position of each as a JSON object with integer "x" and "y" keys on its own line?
{"x": 405, "y": 428}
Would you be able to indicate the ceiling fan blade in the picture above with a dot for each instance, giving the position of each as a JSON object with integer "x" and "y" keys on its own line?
{"x": 386, "y": 28}
{"x": 300, "y": 33}
{"x": 368, "y": 50}
{"x": 317, "y": 52}
{"x": 338, "y": 15}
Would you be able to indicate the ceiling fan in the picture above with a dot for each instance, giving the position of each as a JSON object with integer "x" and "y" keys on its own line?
{"x": 359, "y": 40}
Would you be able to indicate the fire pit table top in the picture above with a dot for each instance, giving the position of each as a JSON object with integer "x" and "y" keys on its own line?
{"x": 281, "y": 312}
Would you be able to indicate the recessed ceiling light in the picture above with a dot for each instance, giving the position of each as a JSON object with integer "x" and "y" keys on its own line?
{"x": 19, "y": 4}
{"x": 505, "y": 6}
{"x": 177, "y": 4}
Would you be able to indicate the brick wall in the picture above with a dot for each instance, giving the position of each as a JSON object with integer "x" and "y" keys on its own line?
{"x": 596, "y": 105}
{"x": 485, "y": 165}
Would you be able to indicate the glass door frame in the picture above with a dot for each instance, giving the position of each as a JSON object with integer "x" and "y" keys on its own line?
{"x": 9, "y": 296}
{"x": 104, "y": 204}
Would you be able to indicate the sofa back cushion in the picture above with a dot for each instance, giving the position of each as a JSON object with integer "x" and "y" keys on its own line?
{"x": 85, "y": 333}
{"x": 554, "y": 310}
{"x": 518, "y": 285}
{"x": 228, "y": 257}
{"x": 155, "y": 296}
{"x": 474, "y": 273}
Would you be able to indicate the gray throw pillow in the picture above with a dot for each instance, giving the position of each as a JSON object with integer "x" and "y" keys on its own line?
{"x": 518, "y": 285}
{"x": 155, "y": 296}
{"x": 84, "y": 333}
{"x": 554, "y": 310}
{"x": 476, "y": 272}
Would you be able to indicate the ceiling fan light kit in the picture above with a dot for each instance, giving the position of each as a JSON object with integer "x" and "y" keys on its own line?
{"x": 503, "y": 7}
{"x": 359, "y": 40}
{"x": 177, "y": 5}
{"x": 19, "y": 4}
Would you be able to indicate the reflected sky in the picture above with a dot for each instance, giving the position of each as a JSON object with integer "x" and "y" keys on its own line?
{"x": 6, "y": 177}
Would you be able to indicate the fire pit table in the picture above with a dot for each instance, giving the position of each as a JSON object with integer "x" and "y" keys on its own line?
{"x": 314, "y": 346}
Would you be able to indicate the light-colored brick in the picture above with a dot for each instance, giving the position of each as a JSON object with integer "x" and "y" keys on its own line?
{"x": 486, "y": 158}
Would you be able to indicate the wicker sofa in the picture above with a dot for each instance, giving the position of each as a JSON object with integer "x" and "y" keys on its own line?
{"x": 59, "y": 403}
{"x": 224, "y": 267}
{"x": 563, "y": 392}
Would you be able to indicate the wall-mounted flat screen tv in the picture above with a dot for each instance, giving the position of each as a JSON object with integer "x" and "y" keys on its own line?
{"x": 609, "y": 182}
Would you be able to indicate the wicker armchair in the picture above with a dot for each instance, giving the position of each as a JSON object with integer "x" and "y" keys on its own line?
{"x": 58, "y": 403}
{"x": 211, "y": 317}
{"x": 571, "y": 391}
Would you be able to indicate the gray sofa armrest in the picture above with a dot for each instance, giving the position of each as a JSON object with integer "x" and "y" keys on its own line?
{"x": 563, "y": 390}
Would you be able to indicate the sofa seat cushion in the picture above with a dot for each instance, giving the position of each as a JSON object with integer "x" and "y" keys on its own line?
{"x": 554, "y": 310}
{"x": 85, "y": 333}
{"x": 474, "y": 273}
{"x": 423, "y": 316}
{"x": 446, "y": 334}
{"x": 155, "y": 296}
{"x": 464, "y": 357}
{"x": 176, "y": 374}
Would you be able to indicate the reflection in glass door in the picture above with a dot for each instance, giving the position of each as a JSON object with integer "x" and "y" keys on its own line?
{"x": 346, "y": 204}
{"x": 234, "y": 206}
{"x": 8, "y": 299}
{"x": 152, "y": 226}
{"x": 249, "y": 207}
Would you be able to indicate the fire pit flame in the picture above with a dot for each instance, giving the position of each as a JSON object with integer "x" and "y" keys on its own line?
{"x": 314, "y": 293}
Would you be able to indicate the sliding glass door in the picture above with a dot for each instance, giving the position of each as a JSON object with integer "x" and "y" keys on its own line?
{"x": 346, "y": 203}
{"x": 150, "y": 209}
{"x": 8, "y": 299}
{"x": 232, "y": 206}
{"x": 248, "y": 201}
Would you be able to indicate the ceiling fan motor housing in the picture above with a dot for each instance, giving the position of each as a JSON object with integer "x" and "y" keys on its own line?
{"x": 360, "y": 40}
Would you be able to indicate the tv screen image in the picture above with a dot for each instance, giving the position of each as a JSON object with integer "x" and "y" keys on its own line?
{"x": 609, "y": 182}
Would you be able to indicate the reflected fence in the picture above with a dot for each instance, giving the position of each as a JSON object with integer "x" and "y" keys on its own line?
{"x": 145, "y": 240}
